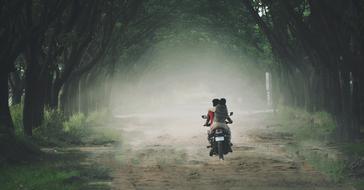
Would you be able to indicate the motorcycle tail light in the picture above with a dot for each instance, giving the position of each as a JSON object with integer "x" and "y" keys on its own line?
{"x": 218, "y": 131}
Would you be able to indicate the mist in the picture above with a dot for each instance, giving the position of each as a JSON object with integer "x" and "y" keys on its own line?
{"x": 183, "y": 79}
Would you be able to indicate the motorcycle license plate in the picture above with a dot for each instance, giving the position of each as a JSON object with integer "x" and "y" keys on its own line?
{"x": 219, "y": 138}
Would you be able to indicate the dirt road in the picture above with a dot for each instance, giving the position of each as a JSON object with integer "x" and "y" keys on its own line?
{"x": 160, "y": 154}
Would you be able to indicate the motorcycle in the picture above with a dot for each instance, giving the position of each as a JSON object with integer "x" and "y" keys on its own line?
{"x": 219, "y": 140}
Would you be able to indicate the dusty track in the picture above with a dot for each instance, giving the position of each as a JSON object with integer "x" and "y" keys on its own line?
{"x": 160, "y": 155}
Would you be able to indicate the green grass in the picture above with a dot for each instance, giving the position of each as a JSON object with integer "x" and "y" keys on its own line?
{"x": 56, "y": 171}
{"x": 57, "y": 130}
{"x": 101, "y": 136}
{"x": 334, "y": 168}
{"x": 23, "y": 166}
{"x": 312, "y": 132}
{"x": 37, "y": 177}
{"x": 359, "y": 184}
{"x": 354, "y": 153}
{"x": 17, "y": 149}
{"x": 16, "y": 112}
{"x": 353, "y": 149}
{"x": 304, "y": 126}
{"x": 78, "y": 129}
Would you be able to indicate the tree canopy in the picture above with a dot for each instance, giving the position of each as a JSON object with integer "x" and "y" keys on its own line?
{"x": 52, "y": 51}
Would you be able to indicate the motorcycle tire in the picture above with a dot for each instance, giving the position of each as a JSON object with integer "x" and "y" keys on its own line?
{"x": 220, "y": 150}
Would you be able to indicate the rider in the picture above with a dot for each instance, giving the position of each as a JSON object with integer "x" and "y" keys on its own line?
{"x": 221, "y": 117}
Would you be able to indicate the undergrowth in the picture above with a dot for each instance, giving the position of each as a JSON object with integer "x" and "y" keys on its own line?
{"x": 57, "y": 130}
{"x": 318, "y": 126}
{"x": 36, "y": 177}
{"x": 24, "y": 166}
{"x": 312, "y": 135}
{"x": 315, "y": 142}
{"x": 55, "y": 171}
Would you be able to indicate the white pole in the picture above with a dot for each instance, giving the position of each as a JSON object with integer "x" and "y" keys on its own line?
{"x": 268, "y": 88}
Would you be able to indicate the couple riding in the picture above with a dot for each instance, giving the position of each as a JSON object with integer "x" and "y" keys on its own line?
{"x": 218, "y": 117}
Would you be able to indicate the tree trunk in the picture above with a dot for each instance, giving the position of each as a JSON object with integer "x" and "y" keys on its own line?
{"x": 54, "y": 96}
{"x": 6, "y": 122}
{"x": 17, "y": 87}
{"x": 69, "y": 104}
{"x": 356, "y": 107}
{"x": 64, "y": 98}
{"x": 35, "y": 91}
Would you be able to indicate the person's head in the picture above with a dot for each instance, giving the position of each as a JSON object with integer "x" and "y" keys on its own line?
{"x": 222, "y": 101}
{"x": 215, "y": 102}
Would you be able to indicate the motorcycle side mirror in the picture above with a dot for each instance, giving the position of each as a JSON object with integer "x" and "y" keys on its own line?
{"x": 231, "y": 113}
{"x": 204, "y": 116}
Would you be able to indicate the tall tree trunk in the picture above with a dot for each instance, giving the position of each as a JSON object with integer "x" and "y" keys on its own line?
{"x": 355, "y": 106}
{"x": 35, "y": 91}
{"x": 17, "y": 87}
{"x": 69, "y": 104}
{"x": 54, "y": 96}
{"x": 6, "y": 122}
{"x": 64, "y": 98}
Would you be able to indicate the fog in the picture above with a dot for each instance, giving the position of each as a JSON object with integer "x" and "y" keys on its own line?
{"x": 173, "y": 80}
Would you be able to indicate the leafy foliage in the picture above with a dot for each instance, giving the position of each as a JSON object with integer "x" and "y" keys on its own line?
{"x": 77, "y": 129}
{"x": 57, "y": 130}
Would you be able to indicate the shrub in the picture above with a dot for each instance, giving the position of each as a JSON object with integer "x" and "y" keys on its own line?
{"x": 57, "y": 130}
{"x": 17, "y": 115}
{"x": 51, "y": 131}
{"x": 76, "y": 128}
{"x": 324, "y": 122}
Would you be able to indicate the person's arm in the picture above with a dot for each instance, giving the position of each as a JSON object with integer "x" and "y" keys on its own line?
{"x": 207, "y": 120}
{"x": 230, "y": 121}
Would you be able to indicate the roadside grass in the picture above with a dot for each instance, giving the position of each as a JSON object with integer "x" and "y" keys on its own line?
{"x": 24, "y": 166}
{"x": 313, "y": 141}
{"x": 355, "y": 159}
{"x": 36, "y": 177}
{"x": 17, "y": 149}
{"x": 354, "y": 149}
{"x": 57, "y": 130}
{"x": 359, "y": 184}
{"x": 334, "y": 168}
{"x": 53, "y": 171}
{"x": 304, "y": 126}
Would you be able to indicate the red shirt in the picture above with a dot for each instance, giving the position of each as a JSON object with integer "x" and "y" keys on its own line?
{"x": 211, "y": 115}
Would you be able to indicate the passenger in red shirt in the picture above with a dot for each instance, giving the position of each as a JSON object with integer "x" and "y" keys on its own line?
{"x": 211, "y": 113}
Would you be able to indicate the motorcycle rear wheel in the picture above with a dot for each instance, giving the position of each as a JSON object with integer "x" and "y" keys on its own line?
{"x": 220, "y": 150}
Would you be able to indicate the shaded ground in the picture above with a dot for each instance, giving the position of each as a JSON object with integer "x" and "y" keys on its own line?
{"x": 156, "y": 154}
{"x": 172, "y": 155}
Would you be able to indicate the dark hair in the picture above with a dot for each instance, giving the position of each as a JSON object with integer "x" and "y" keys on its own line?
{"x": 222, "y": 101}
{"x": 215, "y": 102}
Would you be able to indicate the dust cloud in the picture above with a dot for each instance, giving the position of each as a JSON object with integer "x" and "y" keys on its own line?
{"x": 182, "y": 81}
